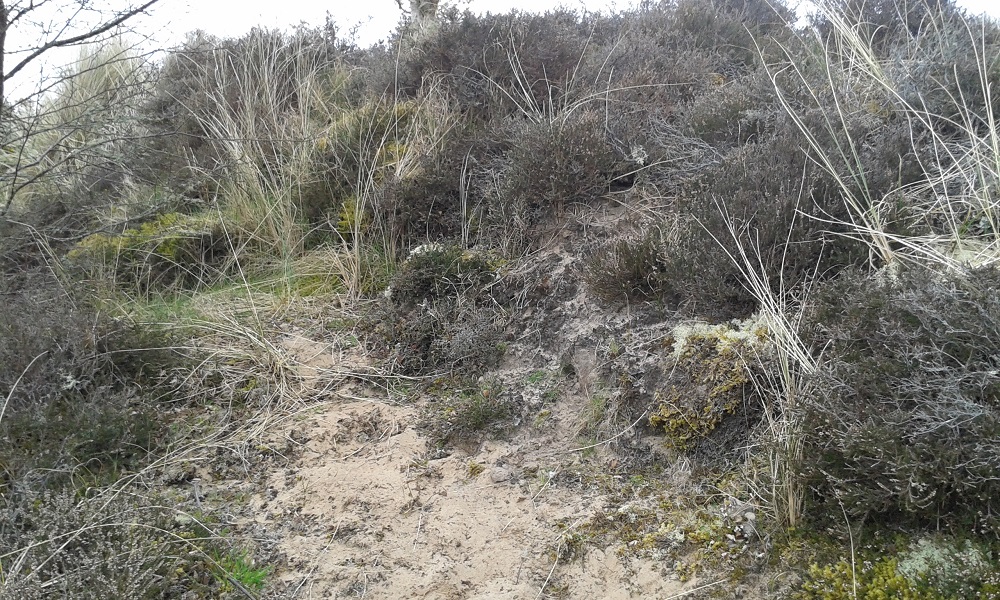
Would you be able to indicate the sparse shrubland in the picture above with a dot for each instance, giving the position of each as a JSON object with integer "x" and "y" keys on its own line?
{"x": 785, "y": 238}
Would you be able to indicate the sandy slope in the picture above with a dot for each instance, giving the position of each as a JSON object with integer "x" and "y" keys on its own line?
{"x": 366, "y": 507}
{"x": 364, "y": 512}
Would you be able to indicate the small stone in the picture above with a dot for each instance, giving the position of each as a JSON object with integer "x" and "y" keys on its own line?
{"x": 499, "y": 474}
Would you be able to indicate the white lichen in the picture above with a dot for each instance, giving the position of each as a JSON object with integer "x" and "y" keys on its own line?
{"x": 748, "y": 332}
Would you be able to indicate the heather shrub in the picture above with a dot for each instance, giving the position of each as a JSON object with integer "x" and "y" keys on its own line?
{"x": 111, "y": 544}
{"x": 443, "y": 336}
{"x": 181, "y": 148}
{"x": 495, "y": 65}
{"x": 437, "y": 271}
{"x": 906, "y": 141}
{"x": 887, "y": 23}
{"x": 627, "y": 268}
{"x": 550, "y": 165}
{"x": 72, "y": 377}
{"x": 732, "y": 28}
{"x": 903, "y": 419}
{"x": 732, "y": 113}
{"x": 768, "y": 196}
{"x": 94, "y": 548}
{"x": 458, "y": 188}
{"x": 441, "y": 312}
{"x": 943, "y": 74}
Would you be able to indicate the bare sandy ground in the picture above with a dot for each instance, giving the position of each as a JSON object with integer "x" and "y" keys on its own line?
{"x": 365, "y": 509}
{"x": 365, "y": 513}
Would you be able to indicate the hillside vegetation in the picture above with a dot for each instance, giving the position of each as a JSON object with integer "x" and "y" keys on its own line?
{"x": 765, "y": 250}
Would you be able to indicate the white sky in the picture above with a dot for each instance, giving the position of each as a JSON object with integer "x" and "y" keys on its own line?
{"x": 378, "y": 17}
{"x": 170, "y": 20}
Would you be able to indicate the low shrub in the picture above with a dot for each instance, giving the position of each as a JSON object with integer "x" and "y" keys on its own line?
{"x": 78, "y": 386}
{"x": 778, "y": 204}
{"x": 87, "y": 548}
{"x": 172, "y": 251}
{"x": 553, "y": 164}
{"x": 87, "y": 545}
{"x": 441, "y": 312}
{"x": 905, "y": 416}
{"x": 627, "y": 269}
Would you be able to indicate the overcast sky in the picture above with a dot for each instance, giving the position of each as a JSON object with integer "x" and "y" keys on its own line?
{"x": 170, "y": 20}
{"x": 377, "y": 17}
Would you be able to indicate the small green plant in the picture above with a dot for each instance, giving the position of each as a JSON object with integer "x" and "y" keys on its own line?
{"x": 472, "y": 412}
{"x": 238, "y": 568}
{"x": 536, "y": 377}
{"x": 479, "y": 409}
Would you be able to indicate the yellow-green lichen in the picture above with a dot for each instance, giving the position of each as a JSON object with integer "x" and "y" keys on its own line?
{"x": 708, "y": 384}
{"x": 936, "y": 567}
{"x": 171, "y": 248}
{"x": 869, "y": 581}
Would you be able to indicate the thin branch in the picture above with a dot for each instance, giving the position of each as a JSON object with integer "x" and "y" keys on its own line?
{"x": 76, "y": 39}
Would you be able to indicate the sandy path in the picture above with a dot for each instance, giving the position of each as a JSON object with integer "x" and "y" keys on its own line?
{"x": 364, "y": 512}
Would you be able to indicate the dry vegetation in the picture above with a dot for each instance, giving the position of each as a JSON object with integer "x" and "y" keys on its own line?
{"x": 750, "y": 266}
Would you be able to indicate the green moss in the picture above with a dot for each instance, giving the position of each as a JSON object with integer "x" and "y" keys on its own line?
{"x": 713, "y": 386}
{"x": 935, "y": 567}
{"x": 173, "y": 249}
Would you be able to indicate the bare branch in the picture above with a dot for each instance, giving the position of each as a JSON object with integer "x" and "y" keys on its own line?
{"x": 76, "y": 39}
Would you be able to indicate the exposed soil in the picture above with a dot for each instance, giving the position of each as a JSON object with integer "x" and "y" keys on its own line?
{"x": 360, "y": 499}
{"x": 364, "y": 512}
